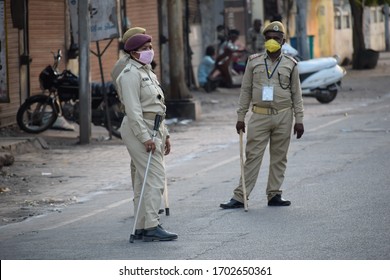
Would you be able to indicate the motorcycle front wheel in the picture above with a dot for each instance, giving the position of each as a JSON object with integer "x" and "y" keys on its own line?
{"x": 36, "y": 114}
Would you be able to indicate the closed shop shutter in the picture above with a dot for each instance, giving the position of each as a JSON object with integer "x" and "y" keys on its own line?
{"x": 47, "y": 23}
{"x": 146, "y": 16}
{"x": 8, "y": 110}
{"x": 46, "y": 35}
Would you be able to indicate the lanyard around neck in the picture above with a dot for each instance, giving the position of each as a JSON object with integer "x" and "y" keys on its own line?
{"x": 269, "y": 75}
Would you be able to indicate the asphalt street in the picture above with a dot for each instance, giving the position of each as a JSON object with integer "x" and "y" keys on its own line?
{"x": 337, "y": 179}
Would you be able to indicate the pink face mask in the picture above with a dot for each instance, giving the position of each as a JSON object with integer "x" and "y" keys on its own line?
{"x": 146, "y": 57}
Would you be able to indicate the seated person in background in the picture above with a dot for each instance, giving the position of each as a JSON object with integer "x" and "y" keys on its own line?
{"x": 227, "y": 56}
{"x": 206, "y": 66}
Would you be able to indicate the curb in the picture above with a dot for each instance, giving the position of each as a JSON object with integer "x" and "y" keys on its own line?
{"x": 10, "y": 146}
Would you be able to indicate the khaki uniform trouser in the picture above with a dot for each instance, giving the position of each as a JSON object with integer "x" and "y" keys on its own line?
{"x": 154, "y": 186}
{"x": 275, "y": 129}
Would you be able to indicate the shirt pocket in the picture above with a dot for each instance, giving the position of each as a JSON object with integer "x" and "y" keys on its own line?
{"x": 148, "y": 89}
{"x": 284, "y": 76}
{"x": 146, "y": 82}
{"x": 259, "y": 76}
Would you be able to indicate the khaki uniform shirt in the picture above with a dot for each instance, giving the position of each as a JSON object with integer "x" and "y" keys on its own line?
{"x": 141, "y": 93}
{"x": 118, "y": 67}
{"x": 285, "y": 81}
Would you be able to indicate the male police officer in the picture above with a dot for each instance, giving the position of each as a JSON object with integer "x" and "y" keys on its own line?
{"x": 271, "y": 83}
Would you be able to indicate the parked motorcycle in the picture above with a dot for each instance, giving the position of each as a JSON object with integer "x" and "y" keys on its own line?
{"x": 60, "y": 97}
{"x": 320, "y": 77}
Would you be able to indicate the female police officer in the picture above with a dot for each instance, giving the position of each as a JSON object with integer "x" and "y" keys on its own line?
{"x": 271, "y": 83}
{"x": 143, "y": 98}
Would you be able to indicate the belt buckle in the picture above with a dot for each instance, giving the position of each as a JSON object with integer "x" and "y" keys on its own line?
{"x": 273, "y": 111}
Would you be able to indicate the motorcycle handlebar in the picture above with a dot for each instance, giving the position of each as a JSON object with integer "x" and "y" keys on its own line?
{"x": 57, "y": 59}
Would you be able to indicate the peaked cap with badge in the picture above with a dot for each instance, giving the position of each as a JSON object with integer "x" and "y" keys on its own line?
{"x": 131, "y": 32}
{"x": 275, "y": 26}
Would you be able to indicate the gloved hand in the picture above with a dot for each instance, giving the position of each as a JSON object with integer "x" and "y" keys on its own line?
{"x": 240, "y": 126}
{"x": 298, "y": 130}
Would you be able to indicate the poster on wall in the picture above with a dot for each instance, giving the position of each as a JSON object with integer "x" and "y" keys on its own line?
{"x": 104, "y": 20}
{"x": 4, "y": 97}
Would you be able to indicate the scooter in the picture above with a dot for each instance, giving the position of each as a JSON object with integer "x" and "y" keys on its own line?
{"x": 320, "y": 77}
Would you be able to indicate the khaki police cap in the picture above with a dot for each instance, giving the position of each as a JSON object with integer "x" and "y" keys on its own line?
{"x": 132, "y": 32}
{"x": 275, "y": 26}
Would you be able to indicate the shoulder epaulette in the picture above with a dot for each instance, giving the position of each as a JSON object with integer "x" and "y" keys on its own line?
{"x": 291, "y": 58}
{"x": 253, "y": 56}
{"x": 127, "y": 68}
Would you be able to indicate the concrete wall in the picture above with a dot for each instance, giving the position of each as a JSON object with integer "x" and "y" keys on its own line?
{"x": 343, "y": 46}
{"x": 374, "y": 28}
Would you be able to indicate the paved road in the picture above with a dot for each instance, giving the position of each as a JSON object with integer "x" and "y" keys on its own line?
{"x": 337, "y": 179}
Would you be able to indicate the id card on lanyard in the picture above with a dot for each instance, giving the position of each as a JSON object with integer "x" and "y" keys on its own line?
{"x": 268, "y": 91}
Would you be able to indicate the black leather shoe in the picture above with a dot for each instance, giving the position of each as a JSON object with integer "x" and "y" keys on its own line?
{"x": 158, "y": 234}
{"x": 232, "y": 204}
{"x": 277, "y": 200}
{"x": 139, "y": 233}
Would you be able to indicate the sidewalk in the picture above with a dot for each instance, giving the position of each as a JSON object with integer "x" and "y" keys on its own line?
{"x": 384, "y": 59}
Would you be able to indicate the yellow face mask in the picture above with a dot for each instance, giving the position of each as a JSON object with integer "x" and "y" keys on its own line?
{"x": 272, "y": 45}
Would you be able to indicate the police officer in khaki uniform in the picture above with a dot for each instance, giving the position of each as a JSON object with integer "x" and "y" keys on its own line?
{"x": 117, "y": 69}
{"x": 143, "y": 98}
{"x": 271, "y": 84}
